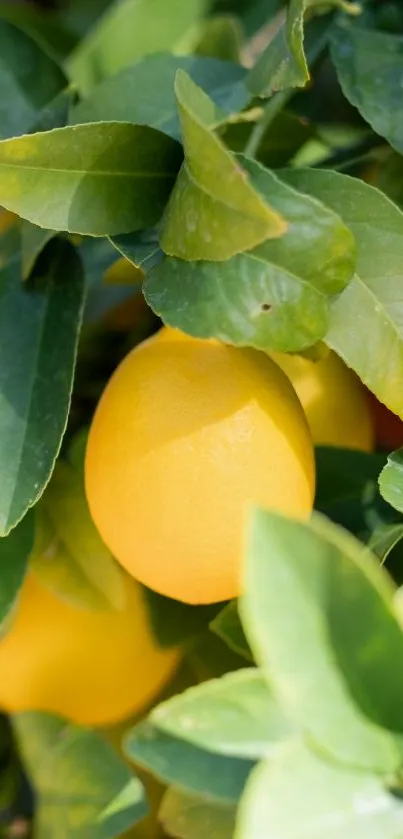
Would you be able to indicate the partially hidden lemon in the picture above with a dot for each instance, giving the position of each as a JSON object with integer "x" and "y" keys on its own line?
{"x": 187, "y": 436}
{"x": 93, "y": 667}
{"x": 333, "y": 398}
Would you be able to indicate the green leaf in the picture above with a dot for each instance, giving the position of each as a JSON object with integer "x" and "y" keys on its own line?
{"x": 276, "y": 296}
{"x": 174, "y": 622}
{"x": 83, "y": 788}
{"x": 39, "y": 327}
{"x": 283, "y": 64}
{"x": 144, "y": 93}
{"x": 227, "y": 625}
{"x": 284, "y": 137}
{"x": 69, "y": 555}
{"x": 141, "y": 248}
{"x": 40, "y": 24}
{"x": 191, "y": 769}
{"x": 375, "y": 292}
{"x": 33, "y": 240}
{"x": 130, "y": 29}
{"x": 187, "y": 816}
{"x": 369, "y": 66}
{"x": 391, "y": 480}
{"x": 97, "y": 179}
{"x": 220, "y": 36}
{"x": 214, "y": 211}
{"x": 235, "y": 716}
{"x": 300, "y": 795}
{"x": 384, "y": 539}
{"x": 29, "y": 79}
{"x": 14, "y": 552}
{"x": 318, "y": 611}
{"x": 347, "y": 489}
{"x": 210, "y": 658}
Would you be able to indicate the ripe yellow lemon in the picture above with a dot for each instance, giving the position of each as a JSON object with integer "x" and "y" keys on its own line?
{"x": 93, "y": 667}
{"x": 333, "y": 399}
{"x": 187, "y": 435}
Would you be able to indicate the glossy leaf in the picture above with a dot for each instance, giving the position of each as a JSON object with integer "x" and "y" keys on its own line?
{"x": 235, "y": 716}
{"x": 128, "y": 30}
{"x": 98, "y": 179}
{"x": 39, "y": 327}
{"x": 69, "y": 556}
{"x": 369, "y": 66}
{"x": 347, "y": 489}
{"x": 318, "y": 610}
{"x": 214, "y": 211}
{"x": 301, "y": 795}
{"x": 81, "y": 783}
{"x": 144, "y": 93}
{"x": 391, "y": 480}
{"x": 187, "y": 816}
{"x": 188, "y": 768}
{"x": 29, "y": 79}
{"x": 14, "y": 552}
{"x": 371, "y": 304}
{"x": 227, "y": 625}
{"x": 276, "y": 296}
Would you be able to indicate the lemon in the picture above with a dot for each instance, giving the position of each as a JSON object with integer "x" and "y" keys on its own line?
{"x": 333, "y": 399}
{"x": 187, "y": 436}
{"x": 93, "y": 667}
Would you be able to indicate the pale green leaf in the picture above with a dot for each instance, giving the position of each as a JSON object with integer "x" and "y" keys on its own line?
{"x": 235, "y": 716}
{"x": 391, "y": 480}
{"x": 318, "y": 611}
{"x": 214, "y": 211}
{"x": 372, "y": 304}
{"x": 300, "y": 796}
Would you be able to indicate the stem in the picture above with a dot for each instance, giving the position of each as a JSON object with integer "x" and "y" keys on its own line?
{"x": 273, "y": 107}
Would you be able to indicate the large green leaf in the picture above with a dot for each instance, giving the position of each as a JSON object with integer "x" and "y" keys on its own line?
{"x": 214, "y": 211}
{"x": 99, "y": 179}
{"x": 187, "y": 816}
{"x": 276, "y": 296}
{"x": 191, "y": 769}
{"x": 39, "y": 327}
{"x": 144, "y": 93}
{"x": 300, "y": 796}
{"x": 372, "y": 304}
{"x": 235, "y": 716}
{"x": 14, "y": 552}
{"x": 128, "y": 30}
{"x": 84, "y": 790}
{"x": 29, "y": 79}
{"x": 318, "y": 613}
{"x": 369, "y": 66}
{"x": 391, "y": 480}
{"x": 69, "y": 555}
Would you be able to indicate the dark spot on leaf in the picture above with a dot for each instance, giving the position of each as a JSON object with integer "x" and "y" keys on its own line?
{"x": 266, "y": 307}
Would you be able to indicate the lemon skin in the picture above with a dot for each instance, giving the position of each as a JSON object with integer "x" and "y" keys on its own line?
{"x": 188, "y": 435}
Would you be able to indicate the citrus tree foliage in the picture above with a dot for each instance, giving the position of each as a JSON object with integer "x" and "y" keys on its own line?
{"x": 234, "y": 167}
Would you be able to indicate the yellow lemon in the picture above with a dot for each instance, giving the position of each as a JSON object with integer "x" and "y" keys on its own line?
{"x": 93, "y": 667}
{"x": 333, "y": 398}
{"x": 187, "y": 436}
